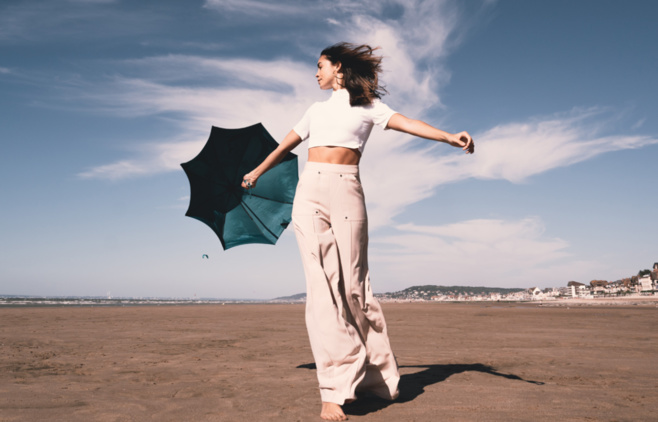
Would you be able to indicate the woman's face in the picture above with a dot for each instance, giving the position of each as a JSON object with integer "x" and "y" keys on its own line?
{"x": 326, "y": 74}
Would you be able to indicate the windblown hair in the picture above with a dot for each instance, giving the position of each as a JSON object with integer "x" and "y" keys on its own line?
{"x": 360, "y": 69}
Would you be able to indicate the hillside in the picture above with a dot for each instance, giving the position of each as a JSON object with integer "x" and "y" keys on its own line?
{"x": 426, "y": 292}
{"x": 458, "y": 290}
{"x": 293, "y": 298}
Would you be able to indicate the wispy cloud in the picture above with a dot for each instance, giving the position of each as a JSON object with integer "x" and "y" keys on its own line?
{"x": 150, "y": 159}
{"x": 475, "y": 252}
{"x": 196, "y": 109}
{"x": 309, "y": 9}
{"x": 237, "y": 92}
{"x": 93, "y": 1}
{"x": 255, "y": 7}
{"x": 517, "y": 151}
{"x": 514, "y": 152}
{"x": 197, "y": 92}
{"x": 638, "y": 124}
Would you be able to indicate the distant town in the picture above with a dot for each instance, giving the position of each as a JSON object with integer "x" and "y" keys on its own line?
{"x": 645, "y": 283}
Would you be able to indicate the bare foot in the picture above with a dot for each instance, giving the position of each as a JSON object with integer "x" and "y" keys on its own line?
{"x": 332, "y": 412}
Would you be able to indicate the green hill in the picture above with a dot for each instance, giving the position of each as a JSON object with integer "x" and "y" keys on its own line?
{"x": 432, "y": 290}
{"x": 293, "y": 298}
{"x": 427, "y": 291}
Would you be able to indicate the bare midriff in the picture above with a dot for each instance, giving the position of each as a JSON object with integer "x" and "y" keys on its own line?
{"x": 334, "y": 155}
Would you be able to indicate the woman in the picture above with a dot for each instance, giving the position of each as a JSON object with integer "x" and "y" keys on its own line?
{"x": 345, "y": 323}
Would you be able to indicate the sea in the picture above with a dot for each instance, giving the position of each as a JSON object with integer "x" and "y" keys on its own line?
{"x": 45, "y": 301}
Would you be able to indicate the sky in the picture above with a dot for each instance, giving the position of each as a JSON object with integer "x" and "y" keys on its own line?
{"x": 103, "y": 99}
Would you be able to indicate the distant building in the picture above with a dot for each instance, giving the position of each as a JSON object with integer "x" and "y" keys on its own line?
{"x": 577, "y": 290}
{"x": 599, "y": 287}
{"x": 564, "y": 291}
{"x": 617, "y": 287}
{"x": 552, "y": 292}
{"x": 533, "y": 293}
{"x": 645, "y": 284}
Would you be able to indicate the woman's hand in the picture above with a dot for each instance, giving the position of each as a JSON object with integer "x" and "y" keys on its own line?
{"x": 249, "y": 180}
{"x": 288, "y": 144}
{"x": 464, "y": 140}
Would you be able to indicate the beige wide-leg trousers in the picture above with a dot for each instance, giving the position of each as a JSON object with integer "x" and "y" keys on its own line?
{"x": 345, "y": 322}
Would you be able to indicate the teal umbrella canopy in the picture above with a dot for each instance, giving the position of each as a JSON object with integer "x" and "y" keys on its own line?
{"x": 238, "y": 216}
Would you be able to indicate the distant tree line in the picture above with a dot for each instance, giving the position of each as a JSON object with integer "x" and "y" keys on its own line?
{"x": 642, "y": 273}
{"x": 456, "y": 290}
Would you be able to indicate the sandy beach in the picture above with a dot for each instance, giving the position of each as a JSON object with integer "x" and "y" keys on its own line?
{"x": 459, "y": 362}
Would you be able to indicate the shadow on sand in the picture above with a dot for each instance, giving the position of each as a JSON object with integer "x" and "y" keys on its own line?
{"x": 413, "y": 385}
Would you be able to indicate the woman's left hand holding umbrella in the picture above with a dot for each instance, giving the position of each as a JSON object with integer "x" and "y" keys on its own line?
{"x": 291, "y": 140}
{"x": 249, "y": 180}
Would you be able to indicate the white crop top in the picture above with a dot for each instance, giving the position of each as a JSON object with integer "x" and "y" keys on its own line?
{"x": 336, "y": 123}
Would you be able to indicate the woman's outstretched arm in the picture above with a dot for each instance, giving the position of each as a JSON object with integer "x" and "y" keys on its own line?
{"x": 288, "y": 144}
{"x": 419, "y": 128}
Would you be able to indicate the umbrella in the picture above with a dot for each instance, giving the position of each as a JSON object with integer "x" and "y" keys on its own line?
{"x": 238, "y": 216}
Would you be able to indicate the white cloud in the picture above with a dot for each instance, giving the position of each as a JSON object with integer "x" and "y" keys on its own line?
{"x": 255, "y": 7}
{"x": 638, "y": 124}
{"x": 517, "y": 151}
{"x": 306, "y": 9}
{"x": 196, "y": 109}
{"x": 477, "y": 252}
{"x": 513, "y": 152}
{"x": 235, "y": 92}
{"x": 412, "y": 45}
{"x": 118, "y": 170}
{"x": 4, "y": 70}
{"x": 154, "y": 158}
{"x": 239, "y": 92}
{"x": 272, "y": 75}
{"x": 93, "y": 1}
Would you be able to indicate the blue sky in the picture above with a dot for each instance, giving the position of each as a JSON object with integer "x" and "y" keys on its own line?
{"x": 103, "y": 99}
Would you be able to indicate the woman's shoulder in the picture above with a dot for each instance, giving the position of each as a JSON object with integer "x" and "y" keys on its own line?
{"x": 377, "y": 104}
{"x": 313, "y": 106}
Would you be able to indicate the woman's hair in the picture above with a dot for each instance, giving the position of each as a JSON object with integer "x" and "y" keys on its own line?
{"x": 360, "y": 69}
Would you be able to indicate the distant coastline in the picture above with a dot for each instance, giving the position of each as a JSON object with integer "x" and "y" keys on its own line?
{"x": 54, "y": 301}
{"x": 415, "y": 294}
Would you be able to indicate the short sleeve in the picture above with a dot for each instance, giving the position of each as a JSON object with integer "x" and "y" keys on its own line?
{"x": 381, "y": 113}
{"x": 303, "y": 128}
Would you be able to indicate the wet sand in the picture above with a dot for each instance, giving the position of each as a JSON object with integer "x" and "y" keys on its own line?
{"x": 459, "y": 362}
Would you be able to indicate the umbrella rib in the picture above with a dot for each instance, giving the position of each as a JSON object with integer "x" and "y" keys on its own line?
{"x": 270, "y": 199}
{"x": 253, "y": 216}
